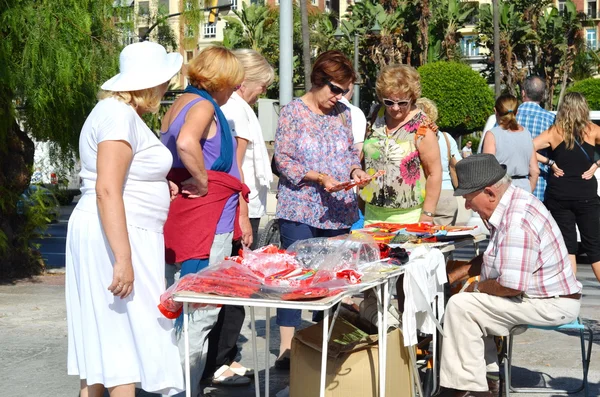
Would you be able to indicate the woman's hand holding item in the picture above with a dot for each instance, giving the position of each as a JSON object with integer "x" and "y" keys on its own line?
{"x": 360, "y": 177}
{"x": 246, "y": 227}
{"x": 122, "y": 284}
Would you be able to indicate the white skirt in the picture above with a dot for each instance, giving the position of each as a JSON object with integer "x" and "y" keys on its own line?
{"x": 114, "y": 341}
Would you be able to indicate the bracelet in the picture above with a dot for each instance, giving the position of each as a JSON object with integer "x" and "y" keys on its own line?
{"x": 551, "y": 162}
{"x": 320, "y": 179}
{"x": 427, "y": 213}
{"x": 476, "y": 287}
{"x": 352, "y": 171}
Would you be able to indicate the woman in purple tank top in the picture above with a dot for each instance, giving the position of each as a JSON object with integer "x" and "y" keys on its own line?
{"x": 201, "y": 222}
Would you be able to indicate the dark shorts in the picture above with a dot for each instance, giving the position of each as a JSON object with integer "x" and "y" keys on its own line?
{"x": 585, "y": 214}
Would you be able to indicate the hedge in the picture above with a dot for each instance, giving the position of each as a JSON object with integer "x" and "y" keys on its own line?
{"x": 462, "y": 95}
{"x": 590, "y": 89}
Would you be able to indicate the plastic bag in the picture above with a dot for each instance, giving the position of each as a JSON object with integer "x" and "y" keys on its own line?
{"x": 228, "y": 278}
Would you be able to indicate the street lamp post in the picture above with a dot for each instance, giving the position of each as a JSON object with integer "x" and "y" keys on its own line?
{"x": 376, "y": 29}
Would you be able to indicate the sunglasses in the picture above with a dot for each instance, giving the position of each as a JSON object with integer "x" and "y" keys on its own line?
{"x": 390, "y": 103}
{"x": 335, "y": 89}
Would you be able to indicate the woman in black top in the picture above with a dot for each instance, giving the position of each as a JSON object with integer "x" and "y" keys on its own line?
{"x": 572, "y": 194}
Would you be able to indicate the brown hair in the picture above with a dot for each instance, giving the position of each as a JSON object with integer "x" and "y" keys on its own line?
{"x": 401, "y": 80}
{"x": 572, "y": 118}
{"x": 506, "y": 109}
{"x": 332, "y": 66}
{"x": 215, "y": 69}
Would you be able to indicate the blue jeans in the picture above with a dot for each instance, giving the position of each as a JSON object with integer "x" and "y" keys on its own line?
{"x": 289, "y": 233}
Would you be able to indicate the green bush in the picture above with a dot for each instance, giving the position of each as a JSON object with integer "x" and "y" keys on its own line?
{"x": 590, "y": 89}
{"x": 463, "y": 97}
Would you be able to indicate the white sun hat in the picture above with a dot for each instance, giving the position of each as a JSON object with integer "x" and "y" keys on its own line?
{"x": 144, "y": 65}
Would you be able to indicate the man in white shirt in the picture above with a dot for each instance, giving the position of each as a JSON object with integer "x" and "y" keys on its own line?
{"x": 357, "y": 119}
{"x": 467, "y": 150}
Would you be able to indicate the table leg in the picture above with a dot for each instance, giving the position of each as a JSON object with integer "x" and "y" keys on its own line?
{"x": 254, "y": 352}
{"x": 383, "y": 341}
{"x": 267, "y": 352}
{"x": 186, "y": 336}
{"x": 324, "y": 352}
{"x": 380, "y": 334}
{"x": 333, "y": 318}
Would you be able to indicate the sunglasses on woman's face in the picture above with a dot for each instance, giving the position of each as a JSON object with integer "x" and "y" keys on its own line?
{"x": 390, "y": 103}
{"x": 335, "y": 89}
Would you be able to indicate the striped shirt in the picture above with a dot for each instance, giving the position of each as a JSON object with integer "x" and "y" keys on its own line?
{"x": 537, "y": 120}
{"x": 527, "y": 251}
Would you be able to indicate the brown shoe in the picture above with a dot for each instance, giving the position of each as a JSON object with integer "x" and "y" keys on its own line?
{"x": 494, "y": 387}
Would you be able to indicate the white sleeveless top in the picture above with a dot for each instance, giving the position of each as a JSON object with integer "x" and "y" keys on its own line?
{"x": 145, "y": 191}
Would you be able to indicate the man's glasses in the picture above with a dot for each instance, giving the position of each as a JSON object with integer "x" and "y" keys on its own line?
{"x": 335, "y": 89}
{"x": 390, "y": 103}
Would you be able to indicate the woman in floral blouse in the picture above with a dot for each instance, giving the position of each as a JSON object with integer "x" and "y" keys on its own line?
{"x": 402, "y": 141}
{"x": 314, "y": 152}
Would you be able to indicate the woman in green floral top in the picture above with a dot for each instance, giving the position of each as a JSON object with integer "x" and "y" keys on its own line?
{"x": 402, "y": 141}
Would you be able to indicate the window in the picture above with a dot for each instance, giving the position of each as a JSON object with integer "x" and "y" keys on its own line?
{"x": 234, "y": 4}
{"x": 142, "y": 32}
{"x": 327, "y": 5}
{"x": 163, "y": 6}
{"x": 144, "y": 8}
{"x": 315, "y": 2}
{"x": 592, "y": 9}
{"x": 561, "y": 5}
{"x": 469, "y": 47}
{"x": 189, "y": 55}
{"x": 210, "y": 31}
{"x": 591, "y": 38}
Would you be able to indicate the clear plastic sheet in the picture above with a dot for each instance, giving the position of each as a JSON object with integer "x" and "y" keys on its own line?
{"x": 310, "y": 269}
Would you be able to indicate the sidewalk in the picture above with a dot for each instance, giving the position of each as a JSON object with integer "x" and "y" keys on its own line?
{"x": 33, "y": 342}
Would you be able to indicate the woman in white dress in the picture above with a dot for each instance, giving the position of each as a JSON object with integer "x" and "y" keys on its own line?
{"x": 117, "y": 338}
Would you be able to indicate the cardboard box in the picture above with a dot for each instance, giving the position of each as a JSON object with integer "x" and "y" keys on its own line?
{"x": 352, "y": 368}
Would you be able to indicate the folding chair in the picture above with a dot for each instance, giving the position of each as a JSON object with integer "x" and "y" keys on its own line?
{"x": 576, "y": 325}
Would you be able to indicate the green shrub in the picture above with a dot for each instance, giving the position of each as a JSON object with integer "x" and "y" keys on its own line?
{"x": 463, "y": 97}
{"x": 590, "y": 89}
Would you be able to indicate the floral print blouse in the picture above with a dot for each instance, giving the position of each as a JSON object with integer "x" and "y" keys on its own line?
{"x": 403, "y": 185}
{"x": 308, "y": 141}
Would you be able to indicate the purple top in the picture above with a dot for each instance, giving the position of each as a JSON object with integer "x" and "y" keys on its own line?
{"x": 211, "y": 149}
{"x": 308, "y": 141}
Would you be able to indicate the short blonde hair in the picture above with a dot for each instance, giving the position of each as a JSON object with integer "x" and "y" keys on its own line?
{"x": 429, "y": 107}
{"x": 256, "y": 67}
{"x": 215, "y": 69}
{"x": 398, "y": 80}
{"x": 146, "y": 100}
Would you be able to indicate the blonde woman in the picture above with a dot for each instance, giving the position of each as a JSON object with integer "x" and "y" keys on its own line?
{"x": 253, "y": 158}
{"x": 201, "y": 227}
{"x": 115, "y": 254}
{"x": 401, "y": 140}
{"x": 512, "y": 145}
{"x": 572, "y": 193}
{"x": 447, "y": 207}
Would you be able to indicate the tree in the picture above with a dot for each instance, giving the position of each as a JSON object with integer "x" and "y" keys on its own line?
{"x": 54, "y": 55}
{"x": 590, "y": 89}
{"x": 449, "y": 16}
{"x": 462, "y": 95}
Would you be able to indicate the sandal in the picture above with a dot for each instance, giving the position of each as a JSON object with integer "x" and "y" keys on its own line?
{"x": 232, "y": 380}
{"x": 243, "y": 371}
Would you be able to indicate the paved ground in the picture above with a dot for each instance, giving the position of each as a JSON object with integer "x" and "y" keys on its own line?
{"x": 33, "y": 339}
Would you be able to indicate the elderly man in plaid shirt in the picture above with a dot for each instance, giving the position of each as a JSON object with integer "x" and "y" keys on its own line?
{"x": 525, "y": 277}
{"x": 537, "y": 120}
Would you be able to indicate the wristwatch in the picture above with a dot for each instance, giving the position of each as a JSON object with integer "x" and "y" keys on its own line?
{"x": 427, "y": 213}
{"x": 551, "y": 162}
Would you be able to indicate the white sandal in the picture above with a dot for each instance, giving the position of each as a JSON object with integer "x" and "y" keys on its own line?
{"x": 232, "y": 380}
{"x": 243, "y": 371}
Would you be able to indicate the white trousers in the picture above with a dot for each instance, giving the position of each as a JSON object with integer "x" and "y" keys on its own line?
{"x": 471, "y": 321}
{"x": 201, "y": 321}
